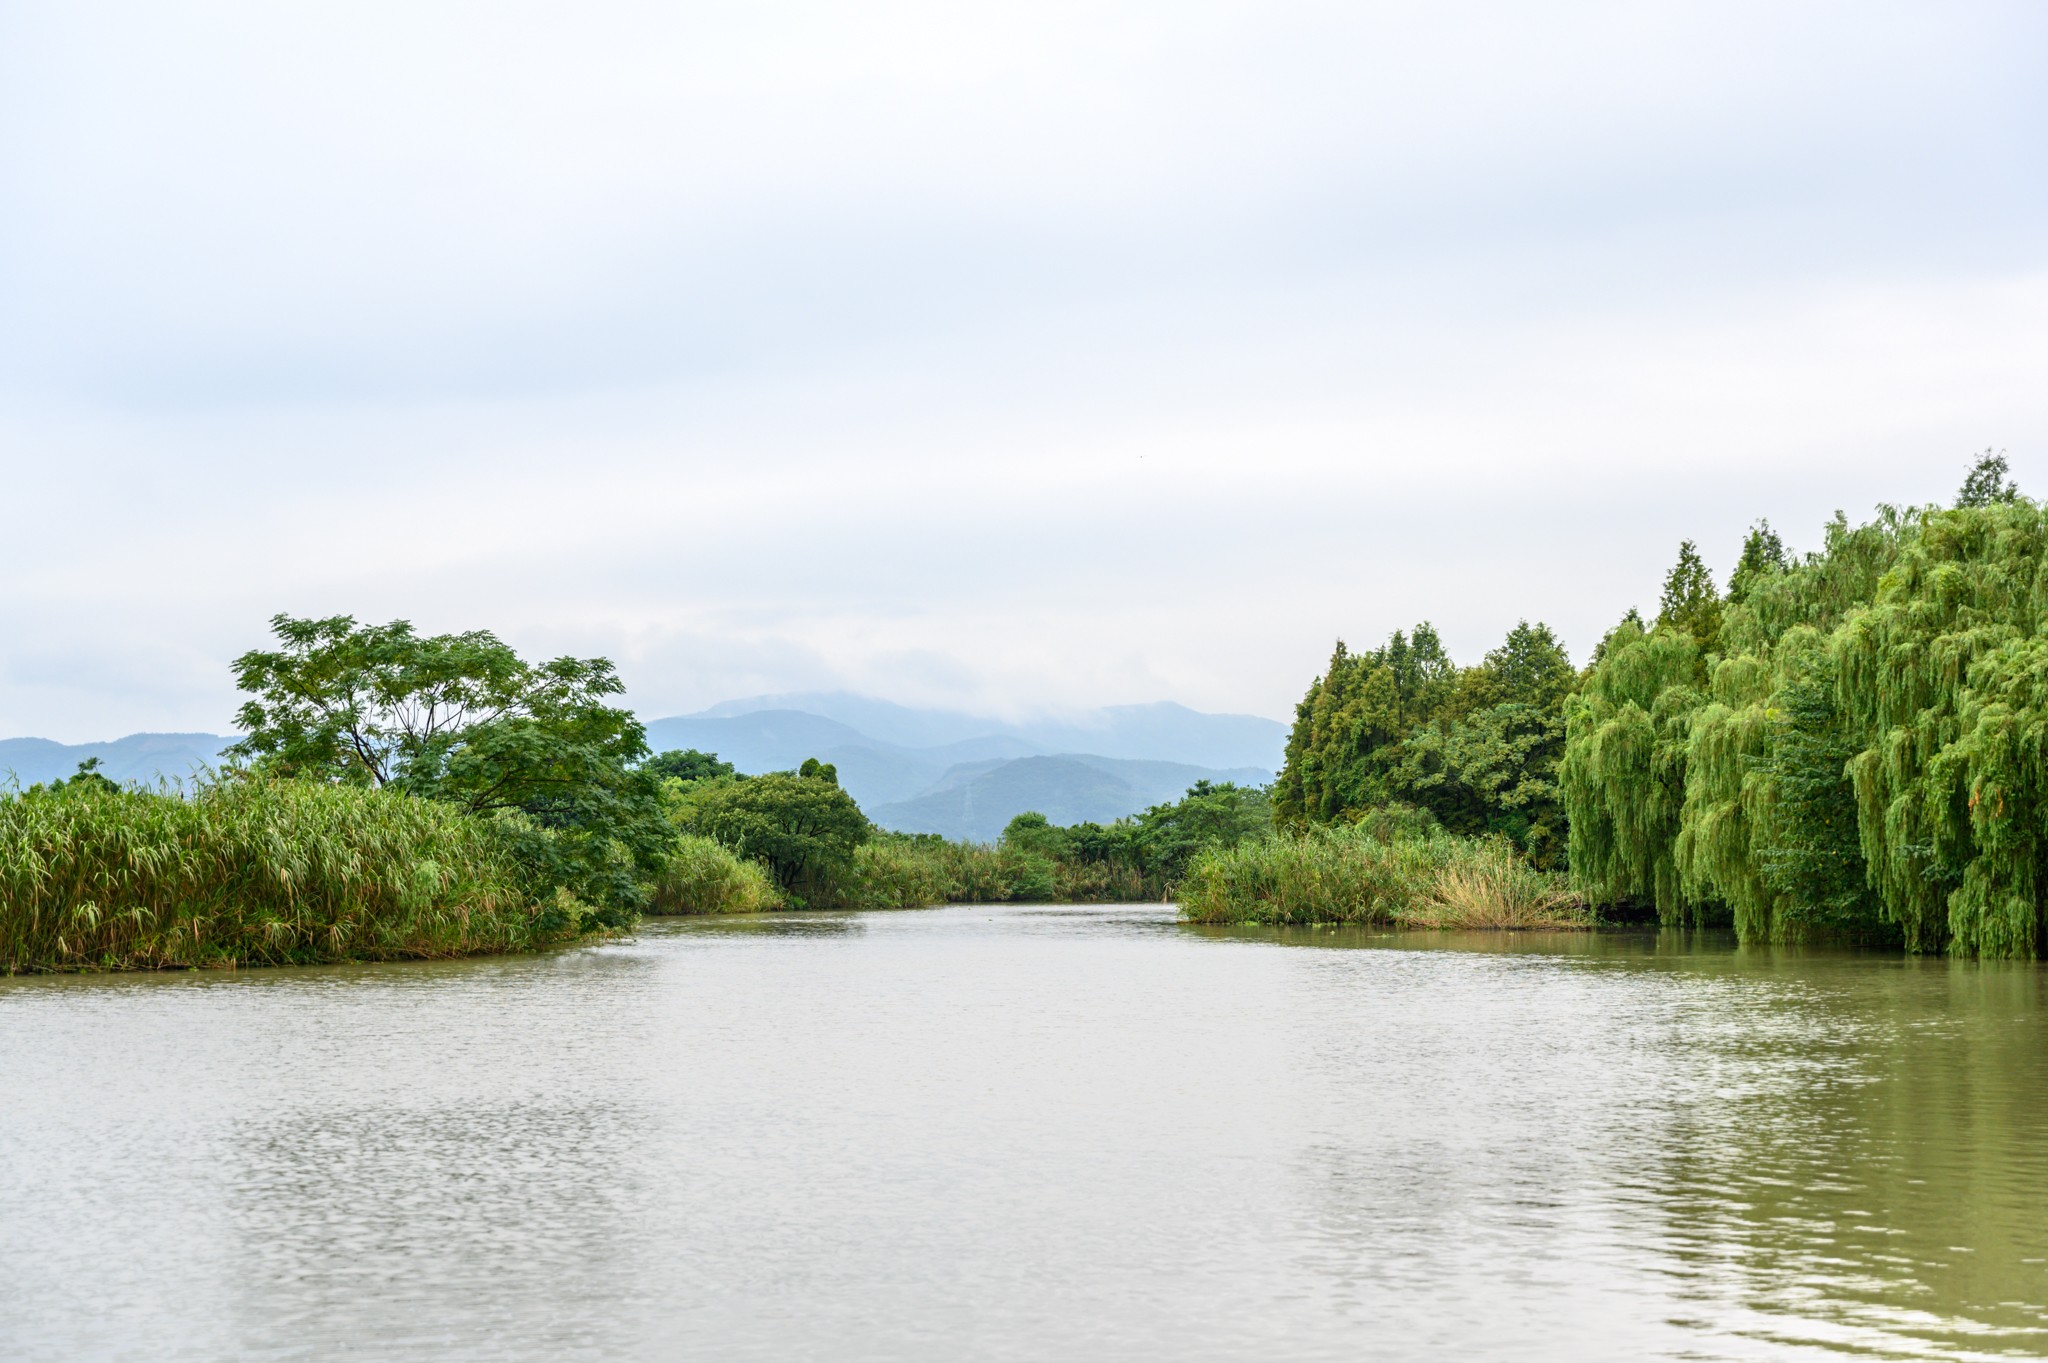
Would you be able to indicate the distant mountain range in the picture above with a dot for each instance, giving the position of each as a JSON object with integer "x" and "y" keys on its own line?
{"x": 138, "y": 757}
{"x": 1161, "y": 731}
{"x": 941, "y": 771}
{"x": 976, "y": 799}
{"x": 920, "y": 771}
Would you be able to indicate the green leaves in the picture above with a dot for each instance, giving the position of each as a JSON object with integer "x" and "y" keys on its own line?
{"x": 1987, "y": 482}
{"x": 1689, "y": 601}
{"x": 1870, "y": 760}
{"x": 462, "y": 719}
{"x": 1476, "y": 747}
{"x": 803, "y": 828}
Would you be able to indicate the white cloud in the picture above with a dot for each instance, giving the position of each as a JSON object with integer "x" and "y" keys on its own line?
{"x": 1005, "y": 357}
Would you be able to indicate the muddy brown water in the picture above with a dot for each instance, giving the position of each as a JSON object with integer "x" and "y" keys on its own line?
{"x": 1032, "y": 1133}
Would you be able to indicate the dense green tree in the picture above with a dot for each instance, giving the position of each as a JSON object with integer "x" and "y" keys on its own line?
{"x": 1151, "y": 848}
{"x": 1490, "y": 766}
{"x": 1763, "y": 553}
{"x": 1809, "y": 852}
{"x": 1168, "y": 836}
{"x": 462, "y": 718}
{"x": 1033, "y": 833}
{"x": 1622, "y": 773}
{"x": 1345, "y": 752}
{"x": 687, "y": 765}
{"x": 1475, "y": 747}
{"x": 1868, "y": 757}
{"x": 1689, "y": 601}
{"x": 88, "y": 778}
{"x": 1987, "y": 482}
{"x": 804, "y": 829}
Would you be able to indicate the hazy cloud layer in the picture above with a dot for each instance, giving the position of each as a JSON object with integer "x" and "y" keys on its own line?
{"x": 999, "y": 357}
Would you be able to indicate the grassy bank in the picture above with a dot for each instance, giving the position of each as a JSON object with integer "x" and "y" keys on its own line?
{"x": 1347, "y": 874}
{"x": 252, "y": 872}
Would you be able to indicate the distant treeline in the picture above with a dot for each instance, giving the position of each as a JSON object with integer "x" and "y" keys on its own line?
{"x": 1849, "y": 744}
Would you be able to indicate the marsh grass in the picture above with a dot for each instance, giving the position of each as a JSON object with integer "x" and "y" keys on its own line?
{"x": 700, "y": 876}
{"x": 1493, "y": 888}
{"x": 1362, "y": 875}
{"x": 249, "y": 872}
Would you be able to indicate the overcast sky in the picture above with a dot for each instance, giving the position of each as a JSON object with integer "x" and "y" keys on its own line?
{"x": 1006, "y": 357}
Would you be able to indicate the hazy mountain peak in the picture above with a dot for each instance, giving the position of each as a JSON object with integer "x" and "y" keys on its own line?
{"x": 1149, "y": 730}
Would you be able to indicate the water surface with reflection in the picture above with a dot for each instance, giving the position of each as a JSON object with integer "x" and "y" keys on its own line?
{"x": 1032, "y": 1133}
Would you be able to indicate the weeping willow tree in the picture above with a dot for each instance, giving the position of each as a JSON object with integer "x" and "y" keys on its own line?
{"x": 1622, "y": 776}
{"x": 1853, "y": 744}
{"x": 1943, "y": 674}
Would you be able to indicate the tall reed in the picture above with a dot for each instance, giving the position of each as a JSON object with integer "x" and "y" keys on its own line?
{"x": 700, "y": 876}
{"x": 1357, "y": 875}
{"x": 259, "y": 872}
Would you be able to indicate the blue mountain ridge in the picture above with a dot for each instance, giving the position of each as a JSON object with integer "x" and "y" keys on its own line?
{"x": 936, "y": 771}
{"x": 977, "y": 799}
{"x": 940, "y": 771}
{"x": 147, "y": 758}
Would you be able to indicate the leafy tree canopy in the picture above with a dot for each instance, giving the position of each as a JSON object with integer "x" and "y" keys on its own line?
{"x": 1210, "y": 815}
{"x": 803, "y": 828}
{"x": 463, "y": 719}
{"x": 687, "y": 764}
{"x": 1033, "y": 833}
{"x": 88, "y": 777}
{"x": 1477, "y": 748}
{"x": 1689, "y": 601}
{"x": 1763, "y": 553}
{"x": 1987, "y": 482}
{"x": 1865, "y": 758}
{"x": 1153, "y": 847}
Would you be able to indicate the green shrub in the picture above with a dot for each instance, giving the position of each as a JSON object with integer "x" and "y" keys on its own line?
{"x": 700, "y": 876}
{"x": 263, "y": 872}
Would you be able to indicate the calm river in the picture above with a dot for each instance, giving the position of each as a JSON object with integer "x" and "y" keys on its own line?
{"x": 1030, "y": 1133}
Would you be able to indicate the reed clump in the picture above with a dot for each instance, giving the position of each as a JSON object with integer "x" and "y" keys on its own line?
{"x": 1351, "y": 874}
{"x": 260, "y": 872}
{"x": 1490, "y": 887}
{"x": 700, "y": 876}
